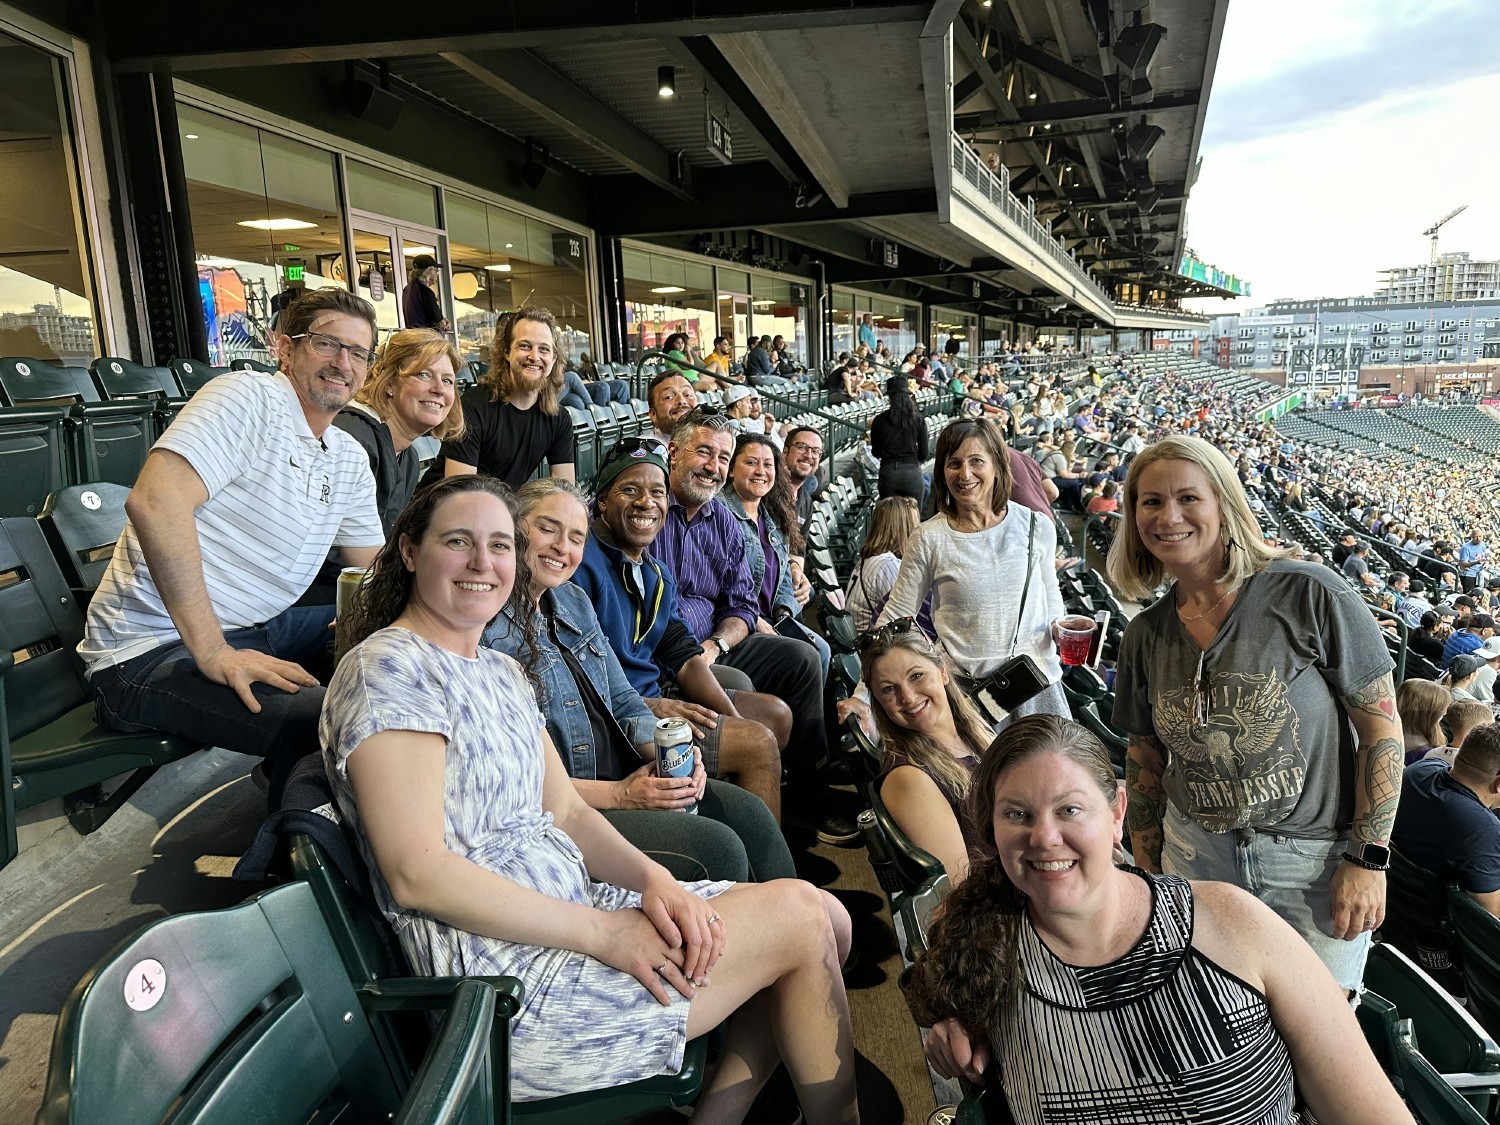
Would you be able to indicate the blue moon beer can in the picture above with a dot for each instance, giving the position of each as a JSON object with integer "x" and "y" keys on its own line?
{"x": 674, "y": 751}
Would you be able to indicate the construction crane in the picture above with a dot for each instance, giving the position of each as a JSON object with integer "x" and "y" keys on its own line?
{"x": 1431, "y": 231}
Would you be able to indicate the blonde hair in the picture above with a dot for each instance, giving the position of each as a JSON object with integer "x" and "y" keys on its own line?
{"x": 891, "y": 525}
{"x": 1135, "y": 572}
{"x": 1422, "y": 705}
{"x": 406, "y": 353}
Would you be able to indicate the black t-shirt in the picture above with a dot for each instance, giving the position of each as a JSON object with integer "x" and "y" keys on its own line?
{"x": 505, "y": 442}
{"x": 897, "y": 439}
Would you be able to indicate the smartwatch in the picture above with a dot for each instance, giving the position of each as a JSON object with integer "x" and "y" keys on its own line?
{"x": 1372, "y": 857}
{"x": 723, "y": 645}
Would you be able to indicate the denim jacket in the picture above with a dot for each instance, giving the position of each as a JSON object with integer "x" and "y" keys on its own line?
{"x": 757, "y": 557}
{"x": 561, "y": 704}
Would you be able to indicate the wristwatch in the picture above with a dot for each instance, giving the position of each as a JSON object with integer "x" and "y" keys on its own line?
{"x": 1372, "y": 857}
{"x": 723, "y": 645}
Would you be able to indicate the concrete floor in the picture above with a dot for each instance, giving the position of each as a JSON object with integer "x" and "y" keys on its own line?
{"x": 67, "y": 900}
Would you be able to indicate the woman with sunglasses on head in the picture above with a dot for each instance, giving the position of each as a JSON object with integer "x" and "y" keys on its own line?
{"x": 600, "y": 725}
{"x": 1265, "y": 746}
{"x": 1103, "y": 993}
{"x": 987, "y": 563}
{"x": 932, "y": 736}
{"x": 486, "y": 861}
{"x": 758, "y": 494}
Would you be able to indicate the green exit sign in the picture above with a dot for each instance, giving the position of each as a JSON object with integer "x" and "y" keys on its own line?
{"x": 294, "y": 273}
{"x": 288, "y": 248}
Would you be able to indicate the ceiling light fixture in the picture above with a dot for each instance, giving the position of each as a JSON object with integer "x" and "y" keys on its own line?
{"x": 277, "y": 224}
{"x": 666, "y": 81}
{"x": 413, "y": 251}
{"x": 669, "y": 289}
{"x": 498, "y": 267}
{"x": 190, "y": 136}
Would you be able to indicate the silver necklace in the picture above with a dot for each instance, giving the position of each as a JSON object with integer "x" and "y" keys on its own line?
{"x": 1206, "y": 612}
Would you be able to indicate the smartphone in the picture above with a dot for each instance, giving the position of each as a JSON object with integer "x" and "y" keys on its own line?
{"x": 1096, "y": 646}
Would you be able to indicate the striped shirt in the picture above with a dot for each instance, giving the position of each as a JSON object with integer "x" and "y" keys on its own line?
{"x": 707, "y": 558}
{"x": 1162, "y": 1034}
{"x": 278, "y": 499}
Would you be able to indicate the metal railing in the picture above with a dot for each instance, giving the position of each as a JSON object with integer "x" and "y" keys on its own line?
{"x": 995, "y": 190}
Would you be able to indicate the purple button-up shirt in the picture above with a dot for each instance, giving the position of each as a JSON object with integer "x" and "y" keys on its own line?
{"x": 707, "y": 559}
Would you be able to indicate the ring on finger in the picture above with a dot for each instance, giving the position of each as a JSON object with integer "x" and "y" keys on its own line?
{"x": 712, "y": 919}
{"x": 662, "y": 968}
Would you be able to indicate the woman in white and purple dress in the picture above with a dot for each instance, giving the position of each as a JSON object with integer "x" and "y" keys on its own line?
{"x": 485, "y": 860}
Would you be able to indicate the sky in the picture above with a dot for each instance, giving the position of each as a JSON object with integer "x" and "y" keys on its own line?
{"x": 1339, "y": 130}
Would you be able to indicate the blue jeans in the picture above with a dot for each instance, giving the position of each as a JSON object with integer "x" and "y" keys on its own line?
{"x": 1292, "y": 876}
{"x": 163, "y": 690}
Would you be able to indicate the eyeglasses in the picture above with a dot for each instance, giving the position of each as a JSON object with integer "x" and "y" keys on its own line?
{"x": 427, "y": 379}
{"x": 326, "y": 347}
{"x": 885, "y": 633}
{"x": 803, "y": 447}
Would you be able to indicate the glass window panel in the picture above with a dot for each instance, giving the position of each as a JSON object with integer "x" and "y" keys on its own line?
{"x": 45, "y": 303}
{"x": 660, "y": 300}
{"x": 479, "y": 293}
{"x": 559, "y": 278}
{"x": 733, "y": 281}
{"x": 265, "y": 222}
{"x": 390, "y": 193}
{"x": 780, "y": 308}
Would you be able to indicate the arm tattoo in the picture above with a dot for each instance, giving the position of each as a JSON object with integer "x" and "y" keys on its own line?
{"x": 1378, "y": 759}
{"x": 1379, "y": 773}
{"x": 1377, "y": 698}
{"x": 1143, "y": 770}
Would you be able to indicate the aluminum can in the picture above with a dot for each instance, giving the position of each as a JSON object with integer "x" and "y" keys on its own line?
{"x": 348, "y": 591}
{"x": 674, "y": 751}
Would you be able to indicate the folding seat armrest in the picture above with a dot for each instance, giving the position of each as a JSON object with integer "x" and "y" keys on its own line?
{"x": 7, "y": 661}
{"x": 416, "y": 994}
{"x": 458, "y": 1070}
{"x": 1470, "y": 1081}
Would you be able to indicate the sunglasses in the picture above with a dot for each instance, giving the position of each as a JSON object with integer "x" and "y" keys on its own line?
{"x": 630, "y": 446}
{"x": 883, "y": 634}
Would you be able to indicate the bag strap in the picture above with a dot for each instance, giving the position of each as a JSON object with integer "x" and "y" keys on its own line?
{"x": 1026, "y": 586}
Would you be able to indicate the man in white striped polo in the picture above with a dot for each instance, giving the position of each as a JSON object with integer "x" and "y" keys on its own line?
{"x": 194, "y": 629}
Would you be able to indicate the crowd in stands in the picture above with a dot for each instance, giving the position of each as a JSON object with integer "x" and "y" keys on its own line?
{"x": 490, "y": 738}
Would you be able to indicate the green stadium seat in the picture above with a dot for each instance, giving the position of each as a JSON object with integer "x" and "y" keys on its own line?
{"x": 1431, "y": 1099}
{"x": 192, "y": 375}
{"x": 82, "y": 523}
{"x": 371, "y": 959}
{"x": 901, "y": 867}
{"x": 50, "y": 744}
{"x": 625, "y": 419}
{"x": 253, "y": 365}
{"x": 585, "y": 447}
{"x": 1478, "y": 933}
{"x": 1447, "y": 1035}
{"x": 118, "y": 378}
{"x": 1416, "y": 922}
{"x": 242, "y": 1015}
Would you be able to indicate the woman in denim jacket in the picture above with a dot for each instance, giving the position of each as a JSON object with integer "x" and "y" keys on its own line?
{"x": 761, "y": 500}
{"x": 603, "y": 730}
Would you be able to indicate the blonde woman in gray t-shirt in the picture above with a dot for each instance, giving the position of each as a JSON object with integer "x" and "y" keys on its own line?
{"x": 1265, "y": 747}
{"x": 973, "y": 558}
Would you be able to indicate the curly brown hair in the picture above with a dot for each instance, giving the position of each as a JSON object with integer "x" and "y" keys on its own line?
{"x": 778, "y": 503}
{"x": 388, "y": 588}
{"x": 971, "y": 969}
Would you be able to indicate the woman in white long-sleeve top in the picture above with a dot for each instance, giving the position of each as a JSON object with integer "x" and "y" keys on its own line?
{"x": 988, "y": 566}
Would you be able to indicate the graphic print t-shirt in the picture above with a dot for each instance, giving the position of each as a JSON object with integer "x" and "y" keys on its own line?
{"x": 1274, "y": 746}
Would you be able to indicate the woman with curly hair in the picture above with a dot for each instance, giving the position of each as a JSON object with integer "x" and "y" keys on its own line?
{"x": 486, "y": 861}
{"x": 1113, "y": 995}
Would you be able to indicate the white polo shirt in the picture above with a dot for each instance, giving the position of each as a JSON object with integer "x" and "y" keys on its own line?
{"x": 278, "y": 499}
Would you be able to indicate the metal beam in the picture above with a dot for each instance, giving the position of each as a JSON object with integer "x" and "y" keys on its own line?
{"x": 743, "y": 197}
{"x": 1079, "y": 112}
{"x": 532, "y": 84}
{"x": 386, "y": 28}
{"x": 1054, "y": 67}
{"x": 765, "y": 84}
{"x": 698, "y": 54}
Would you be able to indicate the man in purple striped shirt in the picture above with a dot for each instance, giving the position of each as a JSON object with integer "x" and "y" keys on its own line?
{"x": 702, "y": 545}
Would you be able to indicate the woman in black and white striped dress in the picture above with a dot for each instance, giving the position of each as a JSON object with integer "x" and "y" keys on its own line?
{"x": 1107, "y": 995}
